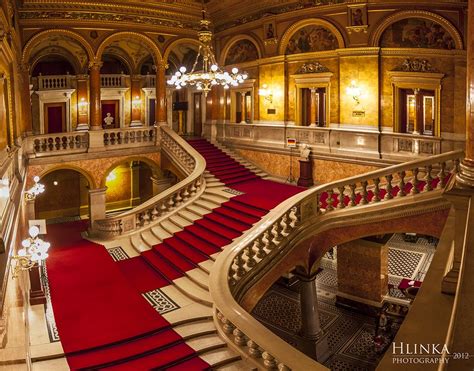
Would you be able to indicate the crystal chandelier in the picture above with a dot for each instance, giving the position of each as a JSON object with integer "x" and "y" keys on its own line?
{"x": 33, "y": 251}
{"x": 34, "y": 191}
{"x": 210, "y": 74}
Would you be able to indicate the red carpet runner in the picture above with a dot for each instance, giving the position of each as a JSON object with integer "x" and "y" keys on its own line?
{"x": 103, "y": 321}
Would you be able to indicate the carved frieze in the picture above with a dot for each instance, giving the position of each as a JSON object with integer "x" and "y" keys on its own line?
{"x": 312, "y": 67}
{"x": 416, "y": 65}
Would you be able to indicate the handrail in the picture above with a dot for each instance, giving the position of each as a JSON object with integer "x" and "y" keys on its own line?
{"x": 189, "y": 161}
{"x": 239, "y": 266}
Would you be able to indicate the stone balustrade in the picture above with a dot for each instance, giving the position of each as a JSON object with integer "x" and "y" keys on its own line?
{"x": 129, "y": 136}
{"x": 247, "y": 260}
{"x": 363, "y": 144}
{"x": 53, "y": 82}
{"x": 186, "y": 159}
{"x": 57, "y": 144}
{"x": 112, "y": 81}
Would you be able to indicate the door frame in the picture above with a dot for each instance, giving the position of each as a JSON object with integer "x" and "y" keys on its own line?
{"x": 63, "y": 114}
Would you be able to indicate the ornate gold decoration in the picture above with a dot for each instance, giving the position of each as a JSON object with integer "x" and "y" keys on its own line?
{"x": 357, "y": 29}
{"x": 236, "y": 39}
{"x": 312, "y": 67}
{"x": 416, "y": 65}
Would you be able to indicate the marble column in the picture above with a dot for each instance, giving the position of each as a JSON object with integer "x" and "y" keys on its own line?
{"x": 26, "y": 115}
{"x": 160, "y": 86}
{"x": 96, "y": 205}
{"x": 416, "y": 129}
{"x": 136, "y": 101}
{"x": 94, "y": 94}
{"x": 242, "y": 107}
{"x": 82, "y": 103}
{"x": 314, "y": 107}
{"x": 315, "y": 342}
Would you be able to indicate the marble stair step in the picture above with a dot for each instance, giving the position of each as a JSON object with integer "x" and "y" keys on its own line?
{"x": 206, "y": 343}
{"x": 220, "y": 192}
{"x": 150, "y": 238}
{"x": 138, "y": 243}
{"x": 213, "y": 198}
{"x": 230, "y": 364}
{"x": 189, "y": 215}
{"x": 222, "y": 357}
{"x": 170, "y": 227}
{"x": 205, "y": 204}
{"x": 200, "y": 277}
{"x": 207, "y": 265}
{"x": 180, "y": 221}
{"x": 189, "y": 313}
{"x": 197, "y": 328}
{"x": 160, "y": 232}
{"x": 193, "y": 290}
{"x": 215, "y": 184}
{"x": 198, "y": 210}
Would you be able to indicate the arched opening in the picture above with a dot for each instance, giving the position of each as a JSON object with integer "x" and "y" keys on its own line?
{"x": 53, "y": 65}
{"x": 112, "y": 64}
{"x": 128, "y": 184}
{"x": 73, "y": 188}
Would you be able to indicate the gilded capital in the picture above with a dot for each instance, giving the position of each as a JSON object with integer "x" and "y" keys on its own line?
{"x": 95, "y": 65}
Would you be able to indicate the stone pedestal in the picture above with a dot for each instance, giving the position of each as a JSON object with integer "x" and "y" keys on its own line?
{"x": 94, "y": 94}
{"x": 96, "y": 141}
{"x": 362, "y": 274}
{"x": 160, "y": 184}
{"x": 96, "y": 205}
{"x": 306, "y": 173}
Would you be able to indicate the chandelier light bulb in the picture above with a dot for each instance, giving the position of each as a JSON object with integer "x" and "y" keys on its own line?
{"x": 226, "y": 86}
{"x": 26, "y": 243}
{"x": 36, "y": 179}
{"x": 182, "y": 69}
{"x": 235, "y": 70}
{"x": 33, "y": 231}
{"x": 214, "y": 68}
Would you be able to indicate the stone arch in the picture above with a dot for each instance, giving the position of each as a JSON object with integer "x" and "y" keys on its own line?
{"x": 83, "y": 172}
{"x": 156, "y": 54}
{"x": 309, "y": 22}
{"x": 124, "y": 59}
{"x": 236, "y": 39}
{"x": 48, "y": 33}
{"x": 62, "y": 52}
{"x": 185, "y": 40}
{"x": 376, "y": 35}
{"x": 153, "y": 165}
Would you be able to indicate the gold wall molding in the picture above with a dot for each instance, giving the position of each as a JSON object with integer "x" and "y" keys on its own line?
{"x": 306, "y": 22}
{"x": 416, "y": 52}
{"x": 174, "y": 43}
{"x": 374, "y": 37}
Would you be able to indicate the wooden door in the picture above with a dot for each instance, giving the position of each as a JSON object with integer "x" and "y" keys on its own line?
{"x": 55, "y": 117}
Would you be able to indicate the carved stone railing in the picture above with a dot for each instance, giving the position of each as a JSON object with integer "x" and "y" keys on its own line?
{"x": 245, "y": 262}
{"x": 57, "y": 144}
{"x": 150, "y": 81}
{"x": 130, "y": 137}
{"x": 187, "y": 160}
{"x": 112, "y": 81}
{"x": 52, "y": 82}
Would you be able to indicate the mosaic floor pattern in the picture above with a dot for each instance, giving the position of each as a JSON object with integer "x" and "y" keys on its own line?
{"x": 117, "y": 253}
{"x": 161, "y": 302}
{"x": 48, "y": 308}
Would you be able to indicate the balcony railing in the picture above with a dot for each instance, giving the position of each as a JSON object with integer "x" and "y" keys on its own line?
{"x": 112, "y": 81}
{"x": 54, "y": 82}
{"x": 242, "y": 265}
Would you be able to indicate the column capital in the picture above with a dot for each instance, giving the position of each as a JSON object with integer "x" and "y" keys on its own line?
{"x": 24, "y": 67}
{"x": 97, "y": 191}
{"x": 95, "y": 65}
{"x": 82, "y": 77}
{"x": 161, "y": 65}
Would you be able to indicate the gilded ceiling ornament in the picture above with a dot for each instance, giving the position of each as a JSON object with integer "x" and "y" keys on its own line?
{"x": 416, "y": 65}
{"x": 312, "y": 67}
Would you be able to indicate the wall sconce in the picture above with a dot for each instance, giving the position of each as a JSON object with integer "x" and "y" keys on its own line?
{"x": 34, "y": 191}
{"x": 354, "y": 91}
{"x": 33, "y": 251}
{"x": 111, "y": 176}
{"x": 266, "y": 93}
{"x": 136, "y": 102}
{"x": 83, "y": 106}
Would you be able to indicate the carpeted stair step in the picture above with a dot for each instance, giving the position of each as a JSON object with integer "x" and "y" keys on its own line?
{"x": 141, "y": 274}
{"x": 218, "y": 228}
{"x": 250, "y": 202}
{"x": 174, "y": 258}
{"x": 131, "y": 349}
{"x": 240, "y": 207}
{"x": 157, "y": 262}
{"x": 222, "y": 166}
{"x": 197, "y": 243}
{"x": 162, "y": 359}
{"x": 186, "y": 249}
{"x": 234, "y": 224}
{"x": 227, "y": 211}
{"x": 240, "y": 176}
{"x": 207, "y": 235}
{"x": 231, "y": 182}
{"x": 230, "y": 171}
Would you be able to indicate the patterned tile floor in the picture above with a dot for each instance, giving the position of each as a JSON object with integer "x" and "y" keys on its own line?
{"x": 350, "y": 334}
{"x": 48, "y": 308}
{"x": 161, "y": 302}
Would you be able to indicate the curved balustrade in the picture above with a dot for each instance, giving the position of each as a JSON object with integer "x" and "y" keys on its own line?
{"x": 244, "y": 263}
{"x": 116, "y": 137}
{"x": 187, "y": 159}
{"x": 59, "y": 143}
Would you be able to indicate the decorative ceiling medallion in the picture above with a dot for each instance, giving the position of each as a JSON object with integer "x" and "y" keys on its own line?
{"x": 416, "y": 65}
{"x": 312, "y": 67}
